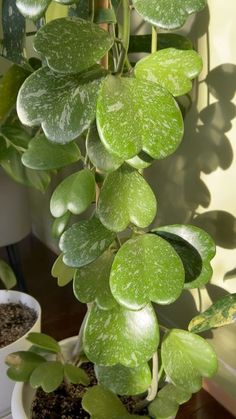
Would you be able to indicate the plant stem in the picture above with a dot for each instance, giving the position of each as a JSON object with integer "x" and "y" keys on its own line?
{"x": 125, "y": 35}
{"x": 160, "y": 373}
{"x": 164, "y": 328}
{"x": 154, "y": 39}
{"x": 154, "y": 384}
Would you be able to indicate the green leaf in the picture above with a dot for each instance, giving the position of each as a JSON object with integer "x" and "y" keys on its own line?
{"x": 142, "y": 43}
{"x": 187, "y": 358}
{"x": 83, "y": 44}
{"x": 44, "y": 341}
{"x": 74, "y": 194}
{"x": 133, "y": 115}
{"x": 219, "y": 314}
{"x": 22, "y": 364}
{"x": 197, "y": 273}
{"x": 7, "y": 275}
{"x": 121, "y": 336}
{"x": 80, "y": 9}
{"x": 33, "y": 9}
{"x": 62, "y": 272}
{"x": 17, "y": 136}
{"x": 64, "y": 105}
{"x": 76, "y": 375}
{"x": 91, "y": 282}
{"x": 168, "y": 14}
{"x": 145, "y": 269}
{"x": 48, "y": 376}
{"x": 167, "y": 401}
{"x": 13, "y": 27}
{"x": 93, "y": 237}
{"x": 140, "y": 162}
{"x": 45, "y": 155}
{"x": 171, "y": 68}
{"x": 59, "y": 224}
{"x": 124, "y": 381}
{"x": 105, "y": 16}
{"x": 126, "y": 198}
{"x": 99, "y": 156}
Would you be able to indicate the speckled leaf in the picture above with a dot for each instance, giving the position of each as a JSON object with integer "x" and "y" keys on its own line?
{"x": 133, "y": 115}
{"x": 146, "y": 269}
{"x": 59, "y": 224}
{"x": 187, "y": 358}
{"x": 99, "y": 156}
{"x": 171, "y": 68}
{"x": 80, "y": 9}
{"x": 7, "y": 275}
{"x": 13, "y": 27}
{"x": 48, "y": 376}
{"x": 167, "y": 401}
{"x": 74, "y": 194}
{"x": 62, "y": 272}
{"x": 83, "y": 44}
{"x": 44, "y": 341}
{"x": 126, "y": 198}
{"x": 202, "y": 243}
{"x": 84, "y": 242}
{"x": 64, "y": 105}
{"x": 16, "y": 136}
{"x": 45, "y": 155}
{"x": 221, "y": 313}
{"x": 76, "y": 375}
{"x": 101, "y": 403}
{"x": 168, "y": 14}
{"x": 121, "y": 336}
{"x": 124, "y": 381}
{"x": 91, "y": 282}
{"x": 33, "y": 9}
{"x": 21, "y": 365}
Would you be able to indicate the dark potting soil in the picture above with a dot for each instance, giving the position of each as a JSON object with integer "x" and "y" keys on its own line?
{"x": 15, "y": 320}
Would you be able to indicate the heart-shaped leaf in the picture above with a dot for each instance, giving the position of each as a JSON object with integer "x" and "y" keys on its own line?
{"x": 200, "y": 273}
{"x": 126, "y": 198}
{"x": 124, "y": 381}
{"x": 33, "y": 9}
{"x": 101, "y": 403}
{"x": 221, "y": 313}
{"x": 167, "y": 401}
{"x": 171, "y": 68}
{"x": 121, "y": 336}
{"x": 62, "y": 272}
{"x": 48, "y": 376}
{"x": 74, "y": 194}
{"x": 45, "y": 155}
{"x": 133, "y": 115}
{"x": 168, "y": 14}
{"x": 7, "y": 275}
{"x": 187, "y": 358}
{"x": 91, "y": 282}
{"x": 146, "y": 269}
{"x": 76, "y": 375}
{"x": 44, "y": 341}
{"x": 17, "y": 136}
{"x": 64, "y": 105}
{"x": 22, "y": 364}
{"x": 59, "y": 224}
{"x": 82, "y": 43}
{"x": 84, "y": 242}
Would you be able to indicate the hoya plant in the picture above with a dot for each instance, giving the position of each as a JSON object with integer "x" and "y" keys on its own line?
{"x": 86, "y": 101}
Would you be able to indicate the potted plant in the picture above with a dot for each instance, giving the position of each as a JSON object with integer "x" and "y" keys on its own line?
{"x": 128, "y": 115}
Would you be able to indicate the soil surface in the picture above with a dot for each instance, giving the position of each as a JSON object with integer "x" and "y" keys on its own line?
{"x": 15, "y": 321}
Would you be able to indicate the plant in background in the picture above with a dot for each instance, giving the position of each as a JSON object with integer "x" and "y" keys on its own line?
{"x": 7, "y": 275}
{"x": 127, "y": 114}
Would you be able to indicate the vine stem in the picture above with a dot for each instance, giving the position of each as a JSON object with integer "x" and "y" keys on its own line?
{"x": 125, "y": 35}
{"x": 154, "y": 384}
{"x": 154, "y": 39}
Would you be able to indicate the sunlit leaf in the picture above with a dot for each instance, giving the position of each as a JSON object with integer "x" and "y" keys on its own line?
{"x": 44, "y": 341}
{"x": 62, "y": 272}
{"x": 33, "y": 9}
{"x": 59, "y": 224}
{"x": 167, "y": 401}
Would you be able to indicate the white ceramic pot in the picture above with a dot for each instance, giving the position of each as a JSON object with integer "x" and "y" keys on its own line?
{"x": 7, "y": 385}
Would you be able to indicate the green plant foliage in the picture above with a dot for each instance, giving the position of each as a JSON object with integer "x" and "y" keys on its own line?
{"x": 101, "y": 403}
{"x": 64, "y": 105}
{"x": 167, "y": 401}
{"x": 76, "y": 375}
{"x": 82, "y": 43}
{"x": 62, "y": 272}
{"x": 145, "y": 269}
{"x": 171, "y": 68}
{"x": 33, "y": 9}
{"x": 13, "y": 28}
{"x": 59, "y": 224}
{"x": 45, "y": 155}
{"x": 142, "y": 43}
{"x": 48, "y": 376}
{"x": 168, "y": 14}
{"x": 105, "y": 16}
{"x": 141, "y": 161}
{"x": 91, "y": 282}
{"x": 74, "y": 194}
{"x": 7, "y": 275}
{"x": 80, "y": 9}
{"x": 187, "y": 358}
{"x": 21, "y": 364}
{"x": 121, "y": 336}
{"x": 126, "y": 198}
{"x": 203, "y": 244}
{"x": 93, "y": 237}
{"x": 124, "y": 381}
{"x": 221, "y": 313}
{"x": 17, "y": 136}
{"x": 44, "y": 341}
{"x": 133, "y": 115}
